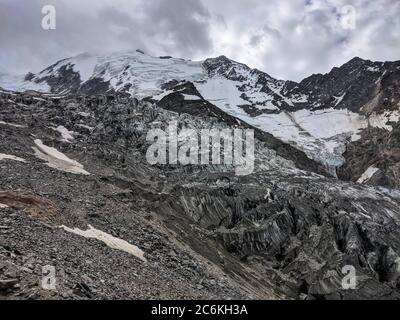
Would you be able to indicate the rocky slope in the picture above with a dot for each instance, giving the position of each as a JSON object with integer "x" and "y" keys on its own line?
{"x": 284, "y": 231}
{"x": 374, "y": 159}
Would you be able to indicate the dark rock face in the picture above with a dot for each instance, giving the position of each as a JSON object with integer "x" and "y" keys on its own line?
{"x": 378, "y": 148}
{"x": 29, "y": 76}
{"x": 95, "y": 86}
{"x": 224, "y": 66}
{"x": 277, "y": 233}
{"x": 67, "y": 80}
{"x": 357, "y": 83}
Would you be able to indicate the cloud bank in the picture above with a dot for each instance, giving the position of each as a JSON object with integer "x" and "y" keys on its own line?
{"x": 289, "y": 39}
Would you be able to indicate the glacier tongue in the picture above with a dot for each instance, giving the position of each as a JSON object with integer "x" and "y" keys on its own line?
{"x": 321, "y": 134}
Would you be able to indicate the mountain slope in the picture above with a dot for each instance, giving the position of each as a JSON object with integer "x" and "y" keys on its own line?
{"x": 205, "y": 233}
{"x": 132, "y": 72}
{"x": 320, "y": 116}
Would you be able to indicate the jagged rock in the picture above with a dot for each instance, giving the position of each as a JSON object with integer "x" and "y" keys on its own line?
{"x": 7, "y": 284}
{"x": 377, "y": 148}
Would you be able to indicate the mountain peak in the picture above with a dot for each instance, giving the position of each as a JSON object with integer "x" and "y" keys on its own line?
{"x": 357, "y": 60}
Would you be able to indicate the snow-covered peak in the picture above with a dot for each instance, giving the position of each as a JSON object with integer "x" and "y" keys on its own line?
{"x": 233, "y": 70}
{"x": 132, "y": 71}
{"x": 142, "y": 75}
{"x": 84, "y": 64}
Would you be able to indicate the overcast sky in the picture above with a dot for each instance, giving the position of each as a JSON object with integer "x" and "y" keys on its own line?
{"x": 289, "y": 39}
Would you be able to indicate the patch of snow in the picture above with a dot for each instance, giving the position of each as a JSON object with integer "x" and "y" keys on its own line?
{"x": 300, "y": 98}
{"x": 223, "y": 93}
{"x": 381, "y": 120}
{"x": 10, "y": 157}
{"x": 39, "y": 99}
{"x": 368, "y": 174}
{"x": 190, "y": 97}
{"x": 67, "y": 136}
{"x": 84, "y": 114}
{"x": 57, "y": 160}
{"x": 3, "y": 206}
{"x": 162, "y": 95}
{"x": 373, "y": 69}
{"x": 109, "y": 240}
{"x": 85, "y": 127}
{"x": 339, "y": 99}
{"x": 327, "y": 123}
{"x": 84, "y": 64}
{"x": 12, "y": 124}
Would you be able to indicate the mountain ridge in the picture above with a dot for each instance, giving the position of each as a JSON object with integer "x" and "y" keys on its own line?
{"x": 321, "y": 115}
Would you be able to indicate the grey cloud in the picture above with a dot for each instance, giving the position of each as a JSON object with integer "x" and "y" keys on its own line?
{"x": 184, "y": 23}
{"x": 289, "y": 39}
{"x": 220, "y": 19}
{"x": 266, "y": 31}
{"x": 116, "y": 17}
{"x": 175, "y": 27}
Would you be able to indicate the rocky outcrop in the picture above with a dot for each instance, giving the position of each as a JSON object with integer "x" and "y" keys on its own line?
{"x": 353, "y": 85}
{"x": 378, "y": 149}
